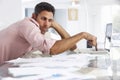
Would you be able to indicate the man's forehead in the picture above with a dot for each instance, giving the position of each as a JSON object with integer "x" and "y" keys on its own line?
{"x": 47, "y": 17}
{"x": 46, "y": 14}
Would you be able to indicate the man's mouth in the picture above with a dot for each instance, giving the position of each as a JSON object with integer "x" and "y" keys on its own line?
{"x": 44, "y": 31}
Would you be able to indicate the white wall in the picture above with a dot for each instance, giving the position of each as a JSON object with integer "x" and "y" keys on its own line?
{"x": 95, "y": 19}
{"x": 10, "y": 11}
{"x": 89, "y": 18}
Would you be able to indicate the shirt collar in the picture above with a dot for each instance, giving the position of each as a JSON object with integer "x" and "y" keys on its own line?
{"x": 35, "y": 22}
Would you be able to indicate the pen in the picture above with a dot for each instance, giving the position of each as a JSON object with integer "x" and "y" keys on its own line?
{"x": 96, "y": 47}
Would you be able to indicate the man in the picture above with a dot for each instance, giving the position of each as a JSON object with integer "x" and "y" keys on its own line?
{"x": 28, "y": 34}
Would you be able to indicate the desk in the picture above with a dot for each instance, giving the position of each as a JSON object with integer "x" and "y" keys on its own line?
{"x": 4, "y": 69}
{"x": 68, "y": 67}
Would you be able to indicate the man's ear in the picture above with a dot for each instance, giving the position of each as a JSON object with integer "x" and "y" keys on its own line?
{"x": 34, "y": 16}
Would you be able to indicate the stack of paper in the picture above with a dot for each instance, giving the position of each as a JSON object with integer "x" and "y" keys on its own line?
{"x": 50, "y": 68}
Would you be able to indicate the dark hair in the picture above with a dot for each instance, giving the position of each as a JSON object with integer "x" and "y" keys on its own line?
{"x": 44, "y": 6}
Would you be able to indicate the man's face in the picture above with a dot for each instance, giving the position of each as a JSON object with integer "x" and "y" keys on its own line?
{"x": 44, "y": 19}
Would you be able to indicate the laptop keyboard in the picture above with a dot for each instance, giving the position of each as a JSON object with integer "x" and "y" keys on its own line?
{"x": 93, "y": 51}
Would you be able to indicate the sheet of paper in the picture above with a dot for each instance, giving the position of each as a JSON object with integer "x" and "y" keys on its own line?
{"x": 36, "y": 65}
{"x": 57, "y": 67}
{"x": 54, "y": 77}
{"x": 48, "y": 75}
{"x": 69, "y": 60}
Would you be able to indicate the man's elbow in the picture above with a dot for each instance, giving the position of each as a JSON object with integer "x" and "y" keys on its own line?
{"x": 73, "y": 48}
{"x": 53, "y": 51}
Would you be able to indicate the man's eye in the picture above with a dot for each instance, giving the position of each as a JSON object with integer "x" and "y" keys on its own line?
{"x": 44, "y": 18}
{"x": 50, "y": 20}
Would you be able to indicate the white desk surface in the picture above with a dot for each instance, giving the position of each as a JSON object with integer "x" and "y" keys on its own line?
{"x": 75, "y": 66}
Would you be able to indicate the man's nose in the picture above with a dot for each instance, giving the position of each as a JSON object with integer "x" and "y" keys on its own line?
{"x": 47, "y": 23}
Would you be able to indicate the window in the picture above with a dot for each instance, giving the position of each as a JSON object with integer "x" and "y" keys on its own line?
{"x": 110, "y": 14}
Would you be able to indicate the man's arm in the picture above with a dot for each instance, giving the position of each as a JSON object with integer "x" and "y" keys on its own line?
{"x": 62, "y": 32}
{"x": 68, "y": 43}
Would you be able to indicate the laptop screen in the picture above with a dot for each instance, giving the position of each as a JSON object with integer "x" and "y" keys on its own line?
{"x": 108, "y": 35}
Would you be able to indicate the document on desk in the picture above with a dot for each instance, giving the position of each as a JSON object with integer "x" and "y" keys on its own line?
{"x": 54, "y": 77}
{"x": 65, "y": 61}
{"x": 36, "y": 73}
{"x": 51, "y": 68}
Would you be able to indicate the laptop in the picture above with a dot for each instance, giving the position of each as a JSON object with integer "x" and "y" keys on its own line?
{"x": 106, "y": 44}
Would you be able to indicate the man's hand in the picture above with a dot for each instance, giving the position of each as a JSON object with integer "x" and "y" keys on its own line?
{"x": 54, "y": 24}
{"x": 92, "y": 40}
